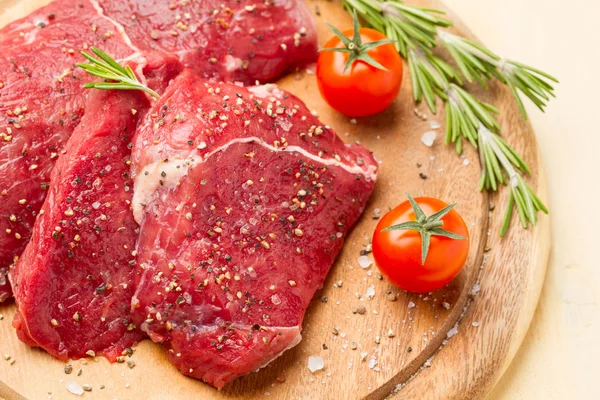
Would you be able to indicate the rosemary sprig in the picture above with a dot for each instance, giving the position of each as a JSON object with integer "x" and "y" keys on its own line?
{"x": 477, "y": 62}
{"x": 415, "y": 31}
{"x": 116, "y": 76}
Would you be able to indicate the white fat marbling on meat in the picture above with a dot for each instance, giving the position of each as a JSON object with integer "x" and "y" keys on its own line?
{"x": 147, "y": 181}
{"x": 32, "y": 34}
{"x": 120, "y": 29}
{"x": 353, "y": 169}
{"x": 21, "y": 27}
{"x": 265, "y": 91}
{"x": 293, "y": 343}
{"x": 140, "y": 61}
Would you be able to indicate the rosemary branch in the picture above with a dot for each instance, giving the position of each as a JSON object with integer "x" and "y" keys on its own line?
{"x": 477, "y": 62}
{"x": 116, "y": 77}
{"x": 415, "y": 32}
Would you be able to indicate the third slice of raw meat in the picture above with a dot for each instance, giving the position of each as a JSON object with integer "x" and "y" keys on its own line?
{"x": 244, "y": 200}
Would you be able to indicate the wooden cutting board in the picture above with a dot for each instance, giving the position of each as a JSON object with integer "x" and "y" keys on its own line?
{"x": 491, "y": 302}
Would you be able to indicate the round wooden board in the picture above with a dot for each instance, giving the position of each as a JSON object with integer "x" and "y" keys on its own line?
{"x": 491, "y": 323}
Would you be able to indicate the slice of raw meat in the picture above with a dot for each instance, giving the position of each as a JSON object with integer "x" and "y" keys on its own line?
{"x": 41, "y": 102}
{"x": 244, "y": 200}
{"x": 74, "y": 282}
{"x": 232, "y": 40}
{"x": 41, "y": 98}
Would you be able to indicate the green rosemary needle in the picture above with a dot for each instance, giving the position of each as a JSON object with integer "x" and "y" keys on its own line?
{"x": 116, "y": 77}
{"x": 478, "y": 63}
{"x": 415, "y": 32}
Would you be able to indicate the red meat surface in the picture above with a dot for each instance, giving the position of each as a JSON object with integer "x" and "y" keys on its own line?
{"x": 232, "y": 40}
{"x": 74, "y": 282}
{"x": 244, "y": 200}
{"x": 41, "y": 103}
{"x": 41, "y": 99}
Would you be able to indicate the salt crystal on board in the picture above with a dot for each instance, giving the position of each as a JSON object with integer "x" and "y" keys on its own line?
{"x": 434, "y": 124}
{"x": 364, "y": 262}
{"x": 75, "y": 388}
{"x": 453, "y": 331}
{"x": 428, "y": 138}
{"x": 315, "y": 363}
{"x": 370, "y": 292}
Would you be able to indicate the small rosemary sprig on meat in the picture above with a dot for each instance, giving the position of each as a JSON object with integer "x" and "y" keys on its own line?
{"x": 116, "y": 76}
{"x": 415, "y": 32}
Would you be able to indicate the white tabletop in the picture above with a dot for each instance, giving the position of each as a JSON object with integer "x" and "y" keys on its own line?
{"x": 558, "y": 359}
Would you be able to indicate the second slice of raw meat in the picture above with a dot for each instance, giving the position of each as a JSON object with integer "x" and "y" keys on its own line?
{"x": 244, "y": 200}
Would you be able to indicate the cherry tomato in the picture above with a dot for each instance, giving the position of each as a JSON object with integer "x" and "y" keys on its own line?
{"x": 398, "y": 253}
{"x": 361, "y": 89}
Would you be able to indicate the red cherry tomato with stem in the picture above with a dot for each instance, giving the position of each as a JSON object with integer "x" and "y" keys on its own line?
{"x": 359, "y": 74}
{"x": 417, "y": 252}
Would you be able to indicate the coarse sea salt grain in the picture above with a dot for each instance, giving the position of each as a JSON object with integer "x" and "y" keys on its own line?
{"x": 315, "y": 363}
{"x": 428, "y": 138}
{"x": 434, "y": 124}
{"x": 453, "y": 331}
{"x": 364, "y": 262}
{"x": 370, "y": 292}
{"x": 275, "y": 299}
{"x": 75, "y": 388}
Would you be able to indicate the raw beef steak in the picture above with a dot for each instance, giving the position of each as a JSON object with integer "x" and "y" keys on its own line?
{"x": 41, "y": 103}
{"x": 41, "y": 98}
{"x": 232, "y": 40}
{"x": 74, "y": 282}
{"x": 244, "y": 200}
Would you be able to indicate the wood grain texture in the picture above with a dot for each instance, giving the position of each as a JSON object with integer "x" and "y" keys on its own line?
{"x": 466, "y": 367}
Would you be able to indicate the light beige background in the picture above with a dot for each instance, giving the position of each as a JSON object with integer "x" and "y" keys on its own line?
{"x": 559, "y": 357}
